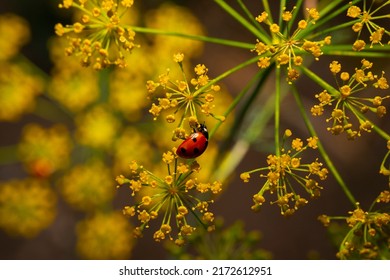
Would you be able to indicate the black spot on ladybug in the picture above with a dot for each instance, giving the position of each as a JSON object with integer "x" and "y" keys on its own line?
{"x": 196, "y": 151}
{"x": 183, "y": 151}
{"x": 194, "y": 139}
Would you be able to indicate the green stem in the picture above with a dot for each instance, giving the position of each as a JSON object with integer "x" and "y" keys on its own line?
{"x": 207, "y": 39}
{"x": 277, "y": 111}
{"x": 261, "y": 76}
{"x": 379, "y": 131}
{"x": 233, "y": 105}
{"x": 327, "y": 31}
{"x": 319, "y": 81}
{"x": 251, "y": 28}
{"x": 257, "y": 126}
{"x": 322, "y": 150}
{"x": 346, "y": 50}
{"x": 268, "y": 11}
{"x": 281, "y": 7}
{"x": 295, "y": 14}
{"x": 251, "y": 17}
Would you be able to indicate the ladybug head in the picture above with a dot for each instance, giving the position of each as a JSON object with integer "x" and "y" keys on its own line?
{"x": 203, "y": 129}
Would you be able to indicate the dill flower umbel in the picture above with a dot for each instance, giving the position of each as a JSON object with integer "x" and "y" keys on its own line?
{"x": 88, "y": 187}
{"x": 348, "y": 98}
{"x": 26, "y": 207}
{"x": 18, "y": 89}
{"x": 176, "y": 199}
{"x": 285, "y": 172}
{"x": 190, "y": 98}
{"x": 366, "y": 18}
{"x": 74, "y": 87}
{"x": 14, "y": 33}
{"x": 368, "y": 234}
{"x": 97, "y": 127}
{"x": 44, "y": 150}
{"x": 104, "y": 236}
{"x": 100, "y": 37}
{"x": 285, "y": 47}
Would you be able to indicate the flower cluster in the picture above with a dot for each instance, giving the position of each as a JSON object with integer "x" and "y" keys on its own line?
{"x": 283, "y": 47}
{"x": 88, "y": 187}
{"x": 97, "y": 128}
{"x": 366, "y": 18}
{"x": 18, "y": 90}
{"x": 286, "y": 170}
{"x": 14, "y": 33}
{"x": 19, "y": 85}
{"x": 104, "y": 236}
{"x": 368, "y": 236}
{"x": 26, "y": 207}
{"x": 347, "y": 98}
{"x": 190, "y": 98}
{"x": 100, "y": 37}
{"x": 44, "y": 150}
{"x": 175, "y": 198}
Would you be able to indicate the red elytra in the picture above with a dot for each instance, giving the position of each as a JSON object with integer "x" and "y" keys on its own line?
{"x": 195, "y": 145}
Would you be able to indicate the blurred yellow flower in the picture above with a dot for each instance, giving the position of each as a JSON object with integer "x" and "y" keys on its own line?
{"x": 74, "y": 87}
{"x": 14, "y": 33}
{"x": 174, "y": 18}
{"x": 88, "y": 187}
{"x": 44, "y": 150}
{"x": 104, "y": 236}
{"x": 97, "y": 128}
{"x": 132, "y": 143}
{"x": 127, "y": 93}
{"x": 26, "y": 207}
{"x": 18, "y": 89}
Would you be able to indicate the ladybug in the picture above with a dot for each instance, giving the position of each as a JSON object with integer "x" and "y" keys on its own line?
{"x": 195, "y": 145}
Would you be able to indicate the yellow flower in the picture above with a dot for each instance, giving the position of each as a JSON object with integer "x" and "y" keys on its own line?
{"x": 18, "y": 89}
{"x": 97, "y": 128}
{"x": 14, "y": 33}
{"x": 88, "y": 187}
{"x": 74, "y": 87}
{"x": 123, "y": 148}
{"x": 264, "y": 62}
{"x": 367, "y": 18}
{"x": 347, "y": 100}
{"x": 283, "y": 44}
{"x": 274, "y": 28}
{"x": 104, "y": 237}
{"x": 262, "y": 18}
{"x": 285, "y": 169}
{"x": 191, "y": 100}
{"x": 354, "y": 11}
{"x": 44, "y": 151}
{"x": 335, "y": 67}
{"x": 174, "y": 18}
{"x": 362, "y": 240}
{"x": 313, "y": 13}
{"x": 26, "y": 207}
{"x": 101, "y": 37}
{"x": 169, "y": 197}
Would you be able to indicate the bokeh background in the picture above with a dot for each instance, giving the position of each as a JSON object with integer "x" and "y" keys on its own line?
{"x": 298, "y": 237}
